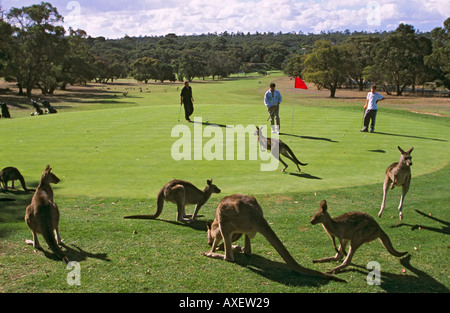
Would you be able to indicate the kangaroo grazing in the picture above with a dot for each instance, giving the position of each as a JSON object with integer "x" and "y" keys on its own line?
{"x": 356, "y": 227}
{"x": 181, "y": 193}
{"x": 278, "y": 147}
{"x": 42, "y": 215}
{"x": 398, "y": 174}
{"x": 11, "y": 174}
{"x": 239, "y": 214}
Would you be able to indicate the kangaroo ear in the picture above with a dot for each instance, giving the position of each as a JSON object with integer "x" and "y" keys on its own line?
{"x": 410, "y": 150}
{"x": 48, "y": 169}
{"x": 323, "y": 205}
{"x": 209, "y": 182}
{"x": 208, "y": 224}
{"x": 401, "y": 150}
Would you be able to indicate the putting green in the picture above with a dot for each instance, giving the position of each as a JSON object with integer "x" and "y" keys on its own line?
{"x": 126, "y": 152}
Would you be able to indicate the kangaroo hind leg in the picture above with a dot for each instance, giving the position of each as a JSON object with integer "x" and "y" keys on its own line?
{"x": 387, "y": 182}
{"x": 180, "y": 197}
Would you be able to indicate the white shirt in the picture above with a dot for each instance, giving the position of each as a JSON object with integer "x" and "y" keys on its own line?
{"x": 373, "y": 99}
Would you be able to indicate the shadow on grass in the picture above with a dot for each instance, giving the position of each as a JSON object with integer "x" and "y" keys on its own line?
{"x": 444, "y": 229}
{"x": 309, "y": 137}
{"x": 276, "y": 271}
{"x": 409, "y": 136}
{"x": 198, "y": 225}
{"x": 405, "y": 283}
{"x": 305, "y": 175}
{"x": 72, "y": 254}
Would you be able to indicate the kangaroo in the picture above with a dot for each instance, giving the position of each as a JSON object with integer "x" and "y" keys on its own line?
{"x": 42, "y": 215}
{"x": 398, "y": 174}
{"x": 356, "y": 227}
{"x": 5, "y": 110}
{"x": 239, "y": 214}
{"x": 11, "y": 174}
{"x": 181, "y": 193}
{"x": 278, "y": 147}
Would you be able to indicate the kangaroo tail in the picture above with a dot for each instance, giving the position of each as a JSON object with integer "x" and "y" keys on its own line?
{"x": 47, "y": 233}
{"x": 273, "y": 239}
{"x": 22, "y": 182}
{"x": 388, "y": 245}
{"x": 159, "y": 208}
{"x": 294, "y": 157}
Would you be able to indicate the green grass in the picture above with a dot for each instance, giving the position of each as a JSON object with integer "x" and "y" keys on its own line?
{"x": 113, "y": 154}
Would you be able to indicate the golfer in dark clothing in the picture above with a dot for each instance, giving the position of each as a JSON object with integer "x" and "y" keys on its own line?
{"x": 188, "y": 100}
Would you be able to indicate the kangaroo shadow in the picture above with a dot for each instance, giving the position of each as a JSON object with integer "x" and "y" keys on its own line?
{"x": 305, "y": 175}
{"x": 445, "y": 228}
{"x": 405, "y": 283}
{"x": 276, "y": 271}
{"x": 72, "y": 254}
{"x": 79, "y": 255}
{"x": 198, "y": 225}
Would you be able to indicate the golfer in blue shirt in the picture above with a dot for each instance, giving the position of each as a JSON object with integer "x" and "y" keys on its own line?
{"x": 272, "y": 100}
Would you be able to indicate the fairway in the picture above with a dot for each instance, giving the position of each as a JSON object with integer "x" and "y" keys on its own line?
{"x": 126, "y": 151}
{"x": 113, "y": 153}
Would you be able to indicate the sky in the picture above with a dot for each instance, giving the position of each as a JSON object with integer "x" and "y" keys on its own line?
{"x": 115, "y": 19}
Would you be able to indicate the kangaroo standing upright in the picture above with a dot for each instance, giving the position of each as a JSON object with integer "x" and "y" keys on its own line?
{"x": 277, "y": 147}
{"x": 356, "y": 227}
{"x": 239, "y": 214}
{"x": 181, "y": 193}
{"x": 11, "y": 174}
{"x": 42, "y": 215}
{"x": 398, "y": 174}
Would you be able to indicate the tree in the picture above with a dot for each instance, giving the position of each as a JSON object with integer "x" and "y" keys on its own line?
{"x": 294, "y": 65}
{"x": 192, "y": 63}
{"x": 399, "y": 59}
{"x": 78, "y": 64}
{"x": 144, "y": 69}
{"x": 325, "y": 66}
{"x": 358, "y": 51}
{"x": 39, "y": 47}
{"x": 439, "y": 59}
{"x": 222, "y": 64}
{"x": 5, "y": 43}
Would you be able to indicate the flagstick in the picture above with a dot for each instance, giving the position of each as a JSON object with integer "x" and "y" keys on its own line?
{"x": 293, "y": 110}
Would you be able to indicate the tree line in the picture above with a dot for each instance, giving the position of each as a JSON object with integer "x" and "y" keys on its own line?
{"x": 37, "y": 52}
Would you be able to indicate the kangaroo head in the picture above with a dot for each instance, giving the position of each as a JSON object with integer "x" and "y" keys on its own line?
{"x": 406, "y": 157}
{"x": 49, "y": 177}
{"x": 258, "y": 131}
{"x": 213, "y": 188}
{"x": 320, "y": 215}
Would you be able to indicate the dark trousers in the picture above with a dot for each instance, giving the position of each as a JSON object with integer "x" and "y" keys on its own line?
{"x": 371, "y": 115}
{"x": 188, "y": 109}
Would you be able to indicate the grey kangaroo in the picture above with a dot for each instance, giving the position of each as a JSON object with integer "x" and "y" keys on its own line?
{"x": 278, "y": 148}
{"x": 42, "y": 215}
{"x": 398, "y": 174}
{"x": 181, "y": 193}
{"x": 11, "y": 174}
{"x": 237, "y": 215}
{"x": 356, "y": 227}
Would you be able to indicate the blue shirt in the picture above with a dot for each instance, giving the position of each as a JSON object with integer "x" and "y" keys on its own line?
{"x": 272, "y": 99}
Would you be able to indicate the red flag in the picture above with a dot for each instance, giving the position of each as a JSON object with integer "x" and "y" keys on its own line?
{"x": 300, "y": 84}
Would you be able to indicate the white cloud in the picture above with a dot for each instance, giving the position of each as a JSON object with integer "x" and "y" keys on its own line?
{"x": 114, "y": 19}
